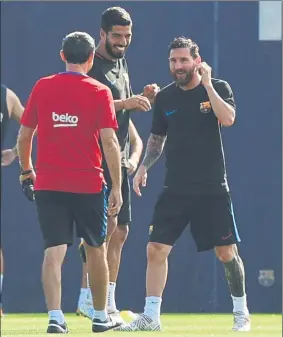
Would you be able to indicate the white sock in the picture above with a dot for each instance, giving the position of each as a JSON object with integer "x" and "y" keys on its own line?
{"x": 89, "y": 295}
{"x": 83, "y": 295}
{"x": 100, "y": 314}
{"x": 111, "y": 304}
{"x": 152, "y": 307}
{"x": 1, "y": 281}
{"x": 240, "y": 304}
{"x": 56, "y": 315}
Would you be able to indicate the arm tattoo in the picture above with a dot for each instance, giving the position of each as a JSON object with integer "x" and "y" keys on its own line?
{"x": 154, "y": 149}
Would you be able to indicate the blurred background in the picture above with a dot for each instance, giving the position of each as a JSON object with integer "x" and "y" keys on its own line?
{"x": 242, "y": 42}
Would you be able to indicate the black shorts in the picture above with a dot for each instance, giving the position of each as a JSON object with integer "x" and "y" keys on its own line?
{"x": 211, "y": 220}
{"x": 125, "y": 215}
{"x": 60, "y": 212}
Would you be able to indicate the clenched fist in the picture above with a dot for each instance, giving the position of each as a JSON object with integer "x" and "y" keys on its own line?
{"x": 150, "y": 91}
{"x": 205, "y": 72}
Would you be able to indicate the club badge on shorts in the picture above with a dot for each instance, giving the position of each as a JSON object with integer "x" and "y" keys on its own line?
{"x": 266, "y": 278}
{"x": 205, "y": 107}
{"x": 150, "y": 229}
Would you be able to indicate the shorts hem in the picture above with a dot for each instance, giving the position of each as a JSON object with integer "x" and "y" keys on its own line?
{"x": 222, "y": 244}
{"x": 124, "y": 223}
{"x": 51, "y": 245}
{"x": 163, "y": 243}
{"x": 91, "y": 243}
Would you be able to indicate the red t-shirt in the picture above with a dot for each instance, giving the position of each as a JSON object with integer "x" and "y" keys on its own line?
{"x": 69, "y": 109}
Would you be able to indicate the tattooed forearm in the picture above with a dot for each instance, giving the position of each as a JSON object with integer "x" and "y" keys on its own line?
{"x": 154, "y": 149}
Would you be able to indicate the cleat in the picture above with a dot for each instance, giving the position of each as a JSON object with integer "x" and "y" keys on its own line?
{"x": 79, "y": 313}
{"x": 142, "y": 323}
{"x": 242, "y": 321}
{"x": 102, "y": 326}
{"x": 55, "y": 327}
{"x": 117, "y": 317}
{"x": 86, "y": 307}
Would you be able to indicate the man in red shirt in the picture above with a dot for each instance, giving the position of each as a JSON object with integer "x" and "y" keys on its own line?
{"x": 71, "y": 111}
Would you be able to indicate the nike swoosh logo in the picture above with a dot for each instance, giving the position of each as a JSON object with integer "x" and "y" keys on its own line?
{"x": 168, "y": 113}
{"x": 226, "y": 237}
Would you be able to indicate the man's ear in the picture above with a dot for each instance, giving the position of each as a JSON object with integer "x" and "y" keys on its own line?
{"x": 103, "y": 34}
{"x": 198, "y": 60}
{"x": 62, "y": 56}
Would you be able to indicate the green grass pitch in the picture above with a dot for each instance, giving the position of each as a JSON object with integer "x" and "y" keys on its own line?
{"x": 174, "y": 325}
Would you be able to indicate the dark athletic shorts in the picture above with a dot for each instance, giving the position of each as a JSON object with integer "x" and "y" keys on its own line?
{"x": 211, "y": 219}
{"x": 124, "y": 216}
{"x": 60, "y": 212}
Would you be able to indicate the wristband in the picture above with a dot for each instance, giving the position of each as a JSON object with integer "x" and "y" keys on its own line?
{"x": 26, "y": 172}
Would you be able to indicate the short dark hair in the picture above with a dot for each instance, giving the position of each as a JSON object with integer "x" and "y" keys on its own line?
{"x": 115, "y": 16}
{"x": 183, "y": 42}
{"x": 77, "y": 47}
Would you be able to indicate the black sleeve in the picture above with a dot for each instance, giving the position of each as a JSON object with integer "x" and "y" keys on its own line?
{"x": 159, "y": 123}
{"x": 125, "y": 65}
{"x": 98, "y": 75}
{"x": 225, "y": 92}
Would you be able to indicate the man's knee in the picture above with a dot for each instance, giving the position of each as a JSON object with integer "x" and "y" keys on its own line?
{"x": 226, "y": 253}
{"x": 95, "y": 252}
{"x": 55, "y": 255}
{"x": 111, "y": 227}
{"x": 157, "y": 252}
{"x": 121, "y": 233}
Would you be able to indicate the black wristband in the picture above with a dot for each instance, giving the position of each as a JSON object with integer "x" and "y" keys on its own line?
{"x": 23, "y": 173}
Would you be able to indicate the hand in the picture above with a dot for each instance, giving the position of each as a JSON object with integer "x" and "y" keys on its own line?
{"x": 115, "y": 202}
{"x": 27, "y": 181}
{"x": 8, "y": 156}
{"x": 205, "y": 72}
{"x": 150, "y": 91}
{"x": 137, "y": 102}
{"x": 140, "y": 179}
{"x": 31, "y": 176}
{"x": 133, "y": 166}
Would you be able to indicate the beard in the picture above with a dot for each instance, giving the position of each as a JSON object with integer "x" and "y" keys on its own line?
{"x": 117, "y": 54}
{"x": 186, "y": 77}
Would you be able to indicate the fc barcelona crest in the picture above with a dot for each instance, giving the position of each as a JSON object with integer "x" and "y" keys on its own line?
{"x": 266, "y": 278}
{"x": 205, "y": 107}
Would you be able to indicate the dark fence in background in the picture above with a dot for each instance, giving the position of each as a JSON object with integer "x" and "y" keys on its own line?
{"x": 31, "y": 37}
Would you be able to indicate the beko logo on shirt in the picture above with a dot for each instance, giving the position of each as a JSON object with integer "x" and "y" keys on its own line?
{"x": 65, "y": 120}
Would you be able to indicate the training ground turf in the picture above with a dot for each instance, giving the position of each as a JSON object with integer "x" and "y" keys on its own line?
{"x": 174, "y": 325}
